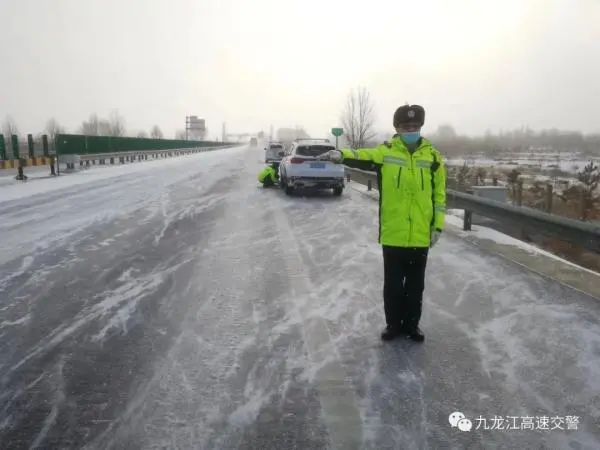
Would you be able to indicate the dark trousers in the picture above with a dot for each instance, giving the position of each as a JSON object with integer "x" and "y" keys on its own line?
{"x": 268, "y": 182}
{"x": 403, "y": 285}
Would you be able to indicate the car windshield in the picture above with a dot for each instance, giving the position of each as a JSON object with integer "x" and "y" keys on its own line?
{"x": 313, "y": 150}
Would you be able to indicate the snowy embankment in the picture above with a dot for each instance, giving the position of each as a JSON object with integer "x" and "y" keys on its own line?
{"x": 563, "y": 162}
{"x": 455, "y": 217}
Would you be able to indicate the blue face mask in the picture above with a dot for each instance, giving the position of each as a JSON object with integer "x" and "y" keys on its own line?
{"x": 411, "y": 138}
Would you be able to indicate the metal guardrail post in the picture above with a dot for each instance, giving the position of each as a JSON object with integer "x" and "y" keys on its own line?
{"x": 368, "y": 184}
{"x": 14, "y": 141}
{"x": 549, "y": 195}
{"x": 45, "y": 146}
{"x": 3, "y": 155}
{"x": 467, "y": 220}
{"x": 20, "y": 175}
{"x": 30, "y": 147}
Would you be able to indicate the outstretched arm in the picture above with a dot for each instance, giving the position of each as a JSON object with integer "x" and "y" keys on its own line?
{"x": 374, "y": 155}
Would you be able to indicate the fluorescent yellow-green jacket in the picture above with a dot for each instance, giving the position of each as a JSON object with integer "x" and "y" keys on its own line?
{"x": 412, "y": 191}
{"x": 267, "y": 172}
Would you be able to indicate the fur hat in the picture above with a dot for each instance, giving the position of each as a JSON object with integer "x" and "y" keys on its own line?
{"x": 409, "y": 113}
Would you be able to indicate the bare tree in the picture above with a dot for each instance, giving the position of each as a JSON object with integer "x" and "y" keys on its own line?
{"x": 445, "y": 132}
{"x": 463, "y": 175}
{"x": 91, "y": 127}
{"x": 96, "y": 126}
{"x": 357, "y": 118}
{"x": 156, "y": 133}
{"x": 180, "y": 134}
{"x": 300, "y": 132}
{"x": 104, "y": 128}
{"x": 589, "y": 177}
{"x": 512, "y": 179}
{"x": 53, "y": 128}
{"x": 142, "y": 134}
{"x": 537, "y": 193}
{"x": 9, "y": 127}
{"x": 116, "y": 124}
{"x": 480, "y": 175}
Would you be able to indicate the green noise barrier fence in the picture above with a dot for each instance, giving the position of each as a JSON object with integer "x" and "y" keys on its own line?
{"x": 78, "y": 144}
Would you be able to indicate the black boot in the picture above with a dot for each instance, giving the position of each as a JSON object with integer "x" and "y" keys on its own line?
{"x": 414, "y": 334}
{"x": 390, "y": 333}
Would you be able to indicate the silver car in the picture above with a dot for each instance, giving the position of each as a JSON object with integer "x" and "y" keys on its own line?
{"x": 302, "y": 168}
{"x": 274, "y": 152}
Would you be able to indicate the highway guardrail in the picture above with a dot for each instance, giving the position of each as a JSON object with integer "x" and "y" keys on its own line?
{"x": 121, "y": 157}
{"x": 141, "y": 154}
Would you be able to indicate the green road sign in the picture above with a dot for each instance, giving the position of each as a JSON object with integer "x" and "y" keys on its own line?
{"x": 337, "y": 131}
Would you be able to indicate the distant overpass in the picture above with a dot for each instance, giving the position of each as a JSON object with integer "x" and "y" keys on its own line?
{"x": 239, "y": 136}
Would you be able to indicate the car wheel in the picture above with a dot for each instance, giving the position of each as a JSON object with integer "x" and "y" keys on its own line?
{"x": 289, "y": 190}
{"x": 337, "y": 191}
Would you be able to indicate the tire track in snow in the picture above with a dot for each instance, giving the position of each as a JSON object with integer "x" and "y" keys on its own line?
{"x": 337, "y": 397}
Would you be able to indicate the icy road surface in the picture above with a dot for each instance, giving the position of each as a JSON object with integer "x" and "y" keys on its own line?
{"x": 175, "y": 304}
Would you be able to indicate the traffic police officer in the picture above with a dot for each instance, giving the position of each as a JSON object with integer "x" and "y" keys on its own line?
{"x": 269, "y": 175}
{"x": 412, "y": 204}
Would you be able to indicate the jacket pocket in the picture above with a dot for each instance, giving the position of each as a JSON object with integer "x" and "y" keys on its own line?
{"x": 399, "y": 175}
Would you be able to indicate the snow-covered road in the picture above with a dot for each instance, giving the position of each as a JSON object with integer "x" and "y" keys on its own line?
{"x": 174, "y": 304}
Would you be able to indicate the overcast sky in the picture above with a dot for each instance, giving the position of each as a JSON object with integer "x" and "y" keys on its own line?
{"x": 480, "y": 64}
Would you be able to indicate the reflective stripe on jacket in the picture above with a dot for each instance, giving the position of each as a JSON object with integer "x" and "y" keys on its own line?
{"x": 412, "y": 191}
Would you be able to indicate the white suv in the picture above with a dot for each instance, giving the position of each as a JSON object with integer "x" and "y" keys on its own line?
{"x": 274, "y": 152}
{"x": 301, "y": 168}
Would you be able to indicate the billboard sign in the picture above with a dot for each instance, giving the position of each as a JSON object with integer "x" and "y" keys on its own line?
{"x": 195, "y": 128}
